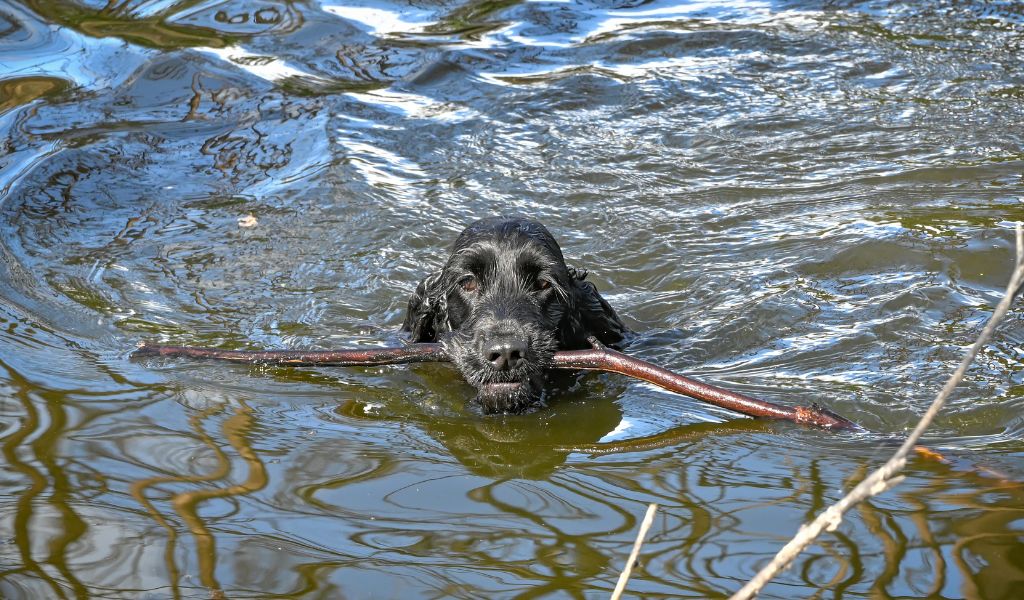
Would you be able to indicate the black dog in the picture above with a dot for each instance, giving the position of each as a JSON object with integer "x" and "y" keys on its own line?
{"x": 503, "y": 304}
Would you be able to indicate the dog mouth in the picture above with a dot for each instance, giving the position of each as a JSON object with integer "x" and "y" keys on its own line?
{"x": 509, "y": 390}
{"x": 502, "y": 388}
{"x": 505, "y": 397}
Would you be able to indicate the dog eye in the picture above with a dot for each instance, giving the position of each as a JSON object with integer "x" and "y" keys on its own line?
{"x": 470, "y": 283}
{"x": 542, "y": 284}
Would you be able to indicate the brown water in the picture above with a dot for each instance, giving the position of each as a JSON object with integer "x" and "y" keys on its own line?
{"x": 799, "y": 201}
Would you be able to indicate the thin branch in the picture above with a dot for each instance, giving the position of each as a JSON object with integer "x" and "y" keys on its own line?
{"x": 411, "y": 353}
{"x": 887, "y": 475}
{"x": 598, "y": 358}
{"x": 640, "y": 535}
{"x": 601, "y": 358}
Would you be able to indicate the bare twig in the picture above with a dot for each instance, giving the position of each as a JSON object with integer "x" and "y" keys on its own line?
{"x": 887, "y": 475}
{"x": 305, "y": 358}
{"x": 640, "y": 535}
{"x": 599, "y": 358}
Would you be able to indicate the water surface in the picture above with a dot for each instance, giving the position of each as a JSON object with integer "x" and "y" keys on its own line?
{"x": 799, "y": 201}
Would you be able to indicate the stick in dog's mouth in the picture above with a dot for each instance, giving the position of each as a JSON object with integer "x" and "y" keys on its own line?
{"x": 598, "y": 358}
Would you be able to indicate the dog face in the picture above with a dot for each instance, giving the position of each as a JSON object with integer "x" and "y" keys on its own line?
{"x": 503, "y": 304}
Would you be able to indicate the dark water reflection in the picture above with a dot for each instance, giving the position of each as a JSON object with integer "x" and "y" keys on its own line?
{"x": 801, "y": 201}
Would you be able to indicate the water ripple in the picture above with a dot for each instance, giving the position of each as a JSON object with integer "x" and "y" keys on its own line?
{"x": 804, "y": 203}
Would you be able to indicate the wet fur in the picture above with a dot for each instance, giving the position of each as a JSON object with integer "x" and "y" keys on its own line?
{"x": 521, "y": 289}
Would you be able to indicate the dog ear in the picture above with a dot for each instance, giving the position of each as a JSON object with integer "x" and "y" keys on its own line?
{"x": 425, "y": 306}
{"x": 594, "y": 316}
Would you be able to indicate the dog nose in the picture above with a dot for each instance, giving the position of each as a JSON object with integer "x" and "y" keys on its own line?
{"x": 505, "y": 353}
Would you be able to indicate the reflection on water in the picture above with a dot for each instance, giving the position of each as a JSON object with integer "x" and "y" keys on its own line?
{"x": 800, "y": 201}
{"x": 235, "y": 430}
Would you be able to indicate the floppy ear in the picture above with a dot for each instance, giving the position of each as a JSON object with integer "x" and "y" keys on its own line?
{"x": 425, "y": 306}
{"x": 594, "y": 316}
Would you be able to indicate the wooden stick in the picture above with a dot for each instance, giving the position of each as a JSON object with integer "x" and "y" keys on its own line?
{"x": 599, "y": 358}
{"x": 411, "y": 353}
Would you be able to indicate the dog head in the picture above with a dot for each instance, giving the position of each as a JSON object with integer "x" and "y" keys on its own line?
{"x": 503, "y": 304}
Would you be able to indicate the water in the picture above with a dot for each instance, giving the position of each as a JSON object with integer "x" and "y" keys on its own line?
{"x": 799, "y": 201}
